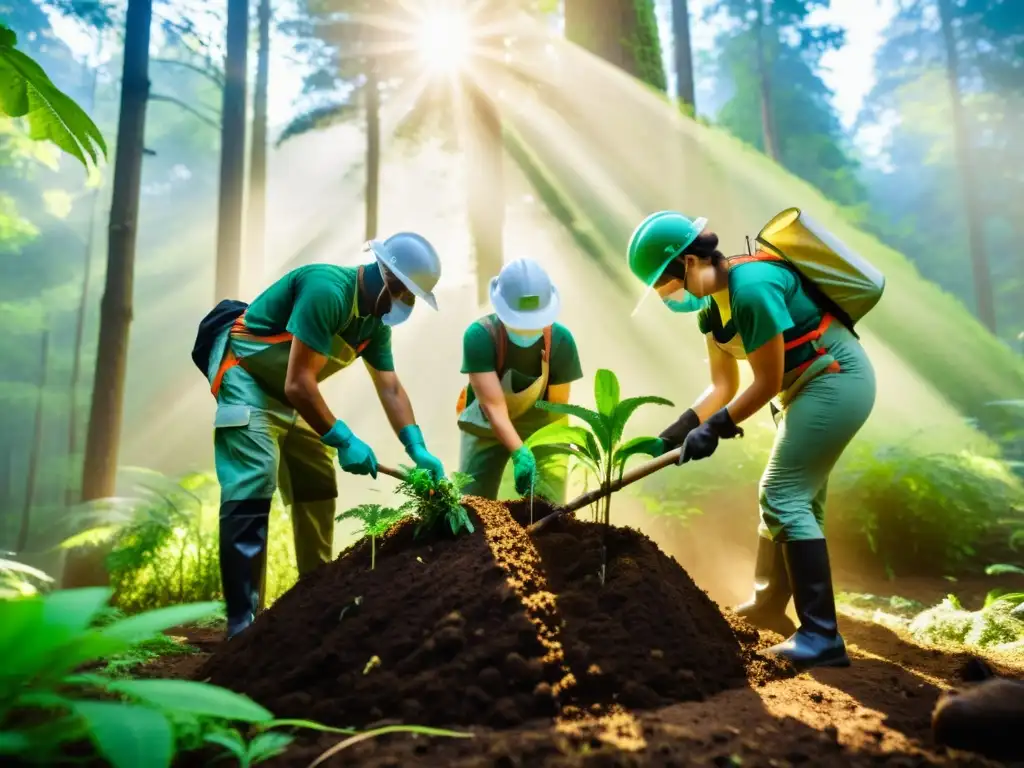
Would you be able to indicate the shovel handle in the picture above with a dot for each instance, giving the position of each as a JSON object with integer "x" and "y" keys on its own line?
{"x": 390, "y": 472}
{"x": 637, "y": 473}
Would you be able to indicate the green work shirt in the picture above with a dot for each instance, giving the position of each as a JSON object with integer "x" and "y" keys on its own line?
{"x": 479, "y": 355}
{"x": 767, "y": 299}
{"x": 316, "y": 303}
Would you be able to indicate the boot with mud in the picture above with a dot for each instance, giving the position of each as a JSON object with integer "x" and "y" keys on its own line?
{"x": 243, "y": 560}
{"x": 767, "y": 608}
{"x": 817, "y": 643}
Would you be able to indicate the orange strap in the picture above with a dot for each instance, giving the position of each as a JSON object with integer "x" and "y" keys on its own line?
{"x": 240, "y": 330}
{"x": 757, "y": 256}
{"x": 814, "y": 335}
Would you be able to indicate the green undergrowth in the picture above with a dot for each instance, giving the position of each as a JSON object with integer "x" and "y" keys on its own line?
{"x": 436, "y": 504}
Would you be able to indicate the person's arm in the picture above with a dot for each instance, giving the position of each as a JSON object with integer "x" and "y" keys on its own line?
{"x": 558, "y": 393}
{"x": 393, "y": 398}
{"x": 768, "y": 364}
{"x": 487, "y": 389}
{"x": 302, "y": 389}
{"x": 725, "y": 382}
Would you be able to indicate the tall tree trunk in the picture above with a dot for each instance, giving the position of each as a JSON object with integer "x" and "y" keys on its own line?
{"x": 255, "y": 244}
{"x": 37, "y": 450}
{"x": 685, "y": 91}
{"x": 83, "y": 303}
{"x": 972, "y": 209}
{"x": 623, "y": 33}
{"x": 232, "y": 153}
{"x": 764, "y": 66}
{"x": 372, "y": 96}
{"x": 485, "y": 185}
{"x": 85, "y": 568}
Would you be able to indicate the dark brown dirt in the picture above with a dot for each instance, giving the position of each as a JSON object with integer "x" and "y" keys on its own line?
{"x": 493, "y": 629}
{"x": 876, "y": 712}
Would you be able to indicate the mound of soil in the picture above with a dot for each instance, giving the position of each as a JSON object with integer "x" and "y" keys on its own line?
{"x": 490, "y": 629}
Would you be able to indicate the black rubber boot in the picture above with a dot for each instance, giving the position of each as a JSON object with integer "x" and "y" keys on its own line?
{"x": 817, "y": 643}
{"x": 243, "y": 559}
{"x": 767, "y": 608}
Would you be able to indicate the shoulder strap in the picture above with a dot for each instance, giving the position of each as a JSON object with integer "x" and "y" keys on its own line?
{"x": 547, "y": 343}
{"x": 758, "y": 256}
{"x": 500, "y": 339}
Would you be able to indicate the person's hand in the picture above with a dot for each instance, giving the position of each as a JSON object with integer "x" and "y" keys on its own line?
{"x": 524, "y": 469}
{"x": 354, "y": 456}
{"x": 702, "y": 441}
{"x": 415, "y": 446}
{"x": 675, "y": 433}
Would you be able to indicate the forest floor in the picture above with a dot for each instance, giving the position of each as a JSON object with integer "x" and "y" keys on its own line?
{"x": 515, "y": 640}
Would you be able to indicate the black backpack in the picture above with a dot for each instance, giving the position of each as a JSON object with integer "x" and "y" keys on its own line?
{"x": 219, "y": 318}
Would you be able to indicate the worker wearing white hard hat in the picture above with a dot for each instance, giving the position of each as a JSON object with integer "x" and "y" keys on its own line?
{"x": 515, "y": 357}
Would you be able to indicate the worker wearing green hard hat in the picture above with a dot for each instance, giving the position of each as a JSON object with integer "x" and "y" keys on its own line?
{"x": 758, "y": 307}
{"x": 515, "y": 357}
{"x": 264, "y": 362}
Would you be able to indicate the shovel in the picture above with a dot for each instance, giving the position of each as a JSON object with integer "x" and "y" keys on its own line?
{"x": 637, "y": 473}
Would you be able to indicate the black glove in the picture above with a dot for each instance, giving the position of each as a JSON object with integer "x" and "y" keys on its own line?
{"x": 703, "y": 441}
{"x": 675, "y": 434}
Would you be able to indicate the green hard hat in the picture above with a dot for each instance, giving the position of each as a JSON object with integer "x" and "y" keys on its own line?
{"x": 660, "y": 238}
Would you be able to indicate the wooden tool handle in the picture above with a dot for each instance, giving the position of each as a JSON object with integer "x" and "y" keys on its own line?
{"x": 390, "y": 472}
{"x": 637, "y": 473}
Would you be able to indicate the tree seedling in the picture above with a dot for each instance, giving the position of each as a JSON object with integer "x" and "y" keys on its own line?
{"x": 377, "y": 520}
{"x": 433, "y": 502}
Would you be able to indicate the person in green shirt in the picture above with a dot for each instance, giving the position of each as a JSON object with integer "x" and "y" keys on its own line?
{"x": 265, "y": 362}
{"x": 514, "y": 358}
{"x": 756, "y": 307}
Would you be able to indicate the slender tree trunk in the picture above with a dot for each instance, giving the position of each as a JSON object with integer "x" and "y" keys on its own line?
{"x": 37, "y": 450}
{"x": 622, "y": 32}
{"x": 83, "y": 303}
{"x": 232, "y": 153}
{"x": 255, "y": 244}
{"x": 764, "y": 76}
{"x": 85, "y": 568}
{"x": 372, "y": 148}
{"x": 685, "y": 91}
{"x": 485, "y": 185}
{"x": 961, "y": 138}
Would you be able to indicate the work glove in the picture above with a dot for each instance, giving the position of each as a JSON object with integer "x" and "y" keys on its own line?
{"x": 524, "y": 468}
{"x": 675, "y": 434}
{"x": 702, "y": 441}
{"x": 412, "y": 438}
{"x": 354, "y": 456}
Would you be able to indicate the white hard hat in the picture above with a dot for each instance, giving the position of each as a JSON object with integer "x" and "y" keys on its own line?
{"x": 412, "y": 259}
{"x": 523, "y": 296}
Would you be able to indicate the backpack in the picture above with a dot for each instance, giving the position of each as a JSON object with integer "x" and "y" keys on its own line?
{"x": 218, "y": 318}
{"x": 500, "y": 338}
{"x": 839, "y": 280}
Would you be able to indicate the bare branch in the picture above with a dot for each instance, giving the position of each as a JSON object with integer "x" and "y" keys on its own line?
{"x": 188, "y": 108}
{"x": 214, "y": 76}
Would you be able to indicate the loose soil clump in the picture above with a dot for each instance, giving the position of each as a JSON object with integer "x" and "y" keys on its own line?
{"x": 490, "y": 629}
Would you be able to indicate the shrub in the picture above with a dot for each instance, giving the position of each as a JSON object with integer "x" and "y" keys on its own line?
{"x": 435, "y": 502}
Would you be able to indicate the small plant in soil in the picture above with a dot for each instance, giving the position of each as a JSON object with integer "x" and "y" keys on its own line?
{"x": 598, "y": 446}
{"x": 377, "y": 520}
{"x": 434, "y": 502}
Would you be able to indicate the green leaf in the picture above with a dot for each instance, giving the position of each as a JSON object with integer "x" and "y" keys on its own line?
{"x": 73, "y": 610}
{"x": 557, "y": 434}
{"x": 624, "y": 411}
{"x": 193, "y": 698}
{"x": 312, "y": 725}
{"x": 597, "y": 423}
{"x": 1000, "y": 569}
{"x": 267, "y": 745}
{"x": 1016, "y": 539}
{"x": 606, "y": 392}
{"x": 21, "y": 619}
{"x": 144, "y": 626}
{"x": 580, "y": 456}
{"x": 92, "y": 537}
{"x": 232, "y": 741}
{"x": 638, "y": 446}
{"x": 12, "y": 742}
{"x": 26, "y": 91}
{"x": 128, "y": 736}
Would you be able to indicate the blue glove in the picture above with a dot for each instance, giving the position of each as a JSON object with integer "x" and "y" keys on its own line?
{"x": 524, "y": 468}
{"x": 412, "y": 438}
{"x": 354, "y": 455}
{"x": 702, "y": 441}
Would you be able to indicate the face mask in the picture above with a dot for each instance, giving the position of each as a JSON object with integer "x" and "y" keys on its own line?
{"x": 524, "y": 339}
{"x": 683, "y": 301}
{"x": 398, "y": 313}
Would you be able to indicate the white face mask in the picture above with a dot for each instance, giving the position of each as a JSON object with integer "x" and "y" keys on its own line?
{"x": 399, "y": 313}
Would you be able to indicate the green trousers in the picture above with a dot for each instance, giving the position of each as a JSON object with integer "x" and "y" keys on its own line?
{"x": 487, "y": 460}
{"x": 262, "y": 445}
{"x": 814, "y": 430}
